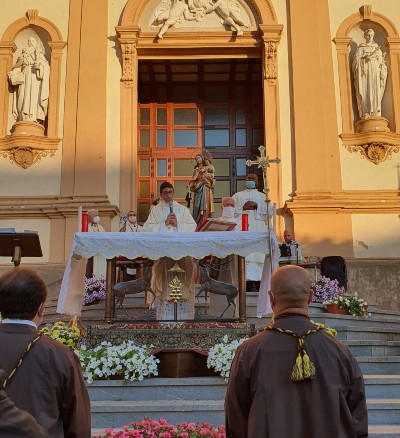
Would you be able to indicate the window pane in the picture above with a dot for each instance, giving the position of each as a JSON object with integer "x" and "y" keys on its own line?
{"x": 180, "y": 189}
{"x": 144, "y": 189}
{"x": 222, "y": 188}
{"x": 240, "y": 185}
{"x": 145, "y": 116}
{"x": 161, "y": 116}
{"x": 185, "y": 138}
{"x": 161, "y": 167}
{"x": 161, "y": 138}
{"x": 258, "y": 137}
{"x": 241, "y": 168}
{"x": 216, "y": 137}
{"x": 240, "y": 116}
{"x": 183, "y": 167}
{"x": 216, "y": 116}
{"x": 143, "y": 212}
{"x": 240, "y": 137}
{"x": 144, "y": 167}
{"x": 185, "y": 116}
{"x": 222, "y": 167}
{"x": 144, "y": 138}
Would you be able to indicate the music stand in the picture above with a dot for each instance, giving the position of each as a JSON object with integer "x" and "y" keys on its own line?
{"x": 19, "y": 245}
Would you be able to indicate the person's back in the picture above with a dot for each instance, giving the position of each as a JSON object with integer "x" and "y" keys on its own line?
{"x": 48, "y": 384}
{"x": 274, "y": 391}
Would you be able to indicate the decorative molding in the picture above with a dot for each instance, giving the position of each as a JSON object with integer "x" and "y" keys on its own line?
{"x": 376, "y": 147}
{"x": 270, "y": 60}
{"x": 128, "y": 38}
{"x": 26, "y": 150}
{"x": 346, "y": 202}
{"x": 374, "y": 152}
{"x": 365, "y": 12}
{"x": 26, "y": 157}
{"x": 54, "y": 207}
{"x": 32, "y": 15}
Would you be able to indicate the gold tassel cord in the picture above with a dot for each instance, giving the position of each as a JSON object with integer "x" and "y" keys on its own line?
{"x": 303, "y": 368}
{"x": 20, "y": 360}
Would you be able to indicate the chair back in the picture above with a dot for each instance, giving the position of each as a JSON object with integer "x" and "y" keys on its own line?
{"x": 334, "y": 267}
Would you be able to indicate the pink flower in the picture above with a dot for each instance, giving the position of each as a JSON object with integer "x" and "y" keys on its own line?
{"x": 184, "y": 435}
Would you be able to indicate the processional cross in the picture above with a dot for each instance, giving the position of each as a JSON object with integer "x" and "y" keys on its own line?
{"x": 263, "y": 162}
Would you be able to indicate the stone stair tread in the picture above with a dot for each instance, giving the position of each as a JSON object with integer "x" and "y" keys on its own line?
{"x": 158, "y": 405}
{"x": 378, "y": 359}
{"x": 357, "y": 328}
{"x": 351, "y": 342}
{"x": 382, "y": 428}
{"x": 163, "y": 381}
{"x": 370, "y": 377}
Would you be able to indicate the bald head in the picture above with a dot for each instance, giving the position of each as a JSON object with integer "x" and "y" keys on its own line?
{"x": 290, "y": 288}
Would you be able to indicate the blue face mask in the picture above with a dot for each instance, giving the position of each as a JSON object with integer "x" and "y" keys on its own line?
{"x": 250, "y": 185}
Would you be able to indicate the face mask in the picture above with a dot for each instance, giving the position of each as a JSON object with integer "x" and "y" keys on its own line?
{"x": 228, "y": 211}
{"x": 250, "y": 184}
{"x": 96, "y": 219}
{"x": 132, "y": 219}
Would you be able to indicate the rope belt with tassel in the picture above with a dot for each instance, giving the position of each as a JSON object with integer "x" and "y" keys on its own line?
{"x": 303, "y": 369}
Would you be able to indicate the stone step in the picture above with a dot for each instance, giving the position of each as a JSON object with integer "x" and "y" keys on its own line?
{"x": 174, "y": 389}
{"x": 383, "y": 411}
{"x": 374, "y": 348}
{"x": 378, "y": 386}
{"x": 379, "y": 365}
{"x": 368, "y": 333}
{"x": 117, "y": 413}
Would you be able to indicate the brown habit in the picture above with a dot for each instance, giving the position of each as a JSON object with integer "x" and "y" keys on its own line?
{"x": 263, "y": 402}
{"x": 48, "y": 384}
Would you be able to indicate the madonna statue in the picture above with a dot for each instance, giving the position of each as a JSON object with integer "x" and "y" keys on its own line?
{"x": 202, "y": 185}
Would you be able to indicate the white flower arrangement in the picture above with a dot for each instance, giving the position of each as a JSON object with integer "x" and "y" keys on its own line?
{"x": 221, "y": 355}
{"x": 126, "y": 359}
{"x": 355, "y": 306}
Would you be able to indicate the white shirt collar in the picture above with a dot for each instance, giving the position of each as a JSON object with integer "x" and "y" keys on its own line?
{"x": 19, "y": 321}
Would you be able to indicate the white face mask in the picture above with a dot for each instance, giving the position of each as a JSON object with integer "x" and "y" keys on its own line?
{"x": 96, "y": 219}
{"x": 228, "y": 212}
{"x": 132, "y": 219}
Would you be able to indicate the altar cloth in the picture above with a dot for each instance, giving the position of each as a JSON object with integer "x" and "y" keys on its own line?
{"x": 152, "y": 246}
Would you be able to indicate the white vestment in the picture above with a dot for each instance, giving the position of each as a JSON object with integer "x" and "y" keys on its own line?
{"x": 156, "y": 223}
{"x": 99, "y": 262}
{"x": 257, "y": 222}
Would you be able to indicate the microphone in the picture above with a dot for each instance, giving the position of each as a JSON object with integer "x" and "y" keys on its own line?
{"x": 171, "y": 206}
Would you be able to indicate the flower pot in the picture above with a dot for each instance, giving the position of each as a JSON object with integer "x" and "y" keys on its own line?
{"x": 336, "y": 309}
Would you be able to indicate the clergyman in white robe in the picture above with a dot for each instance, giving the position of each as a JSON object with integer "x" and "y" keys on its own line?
{"x": 185, "y": 223}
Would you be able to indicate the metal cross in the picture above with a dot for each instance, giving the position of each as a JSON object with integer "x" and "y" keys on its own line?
{"x": 263, "y": 162}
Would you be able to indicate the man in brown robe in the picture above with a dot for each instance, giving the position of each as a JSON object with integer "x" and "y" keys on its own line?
{"x": 294, "y": 379}
{"x": 48, "y": 384}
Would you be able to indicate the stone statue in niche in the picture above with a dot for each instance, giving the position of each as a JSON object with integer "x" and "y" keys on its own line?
{"x": 194, "y": 10}
{"x": 370, "y": 74}
{"x": 30, "y": 78}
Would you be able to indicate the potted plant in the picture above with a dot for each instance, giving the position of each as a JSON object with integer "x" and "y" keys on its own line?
{"x": 95, "y": 289}
{"x": 126, "y": 361}
{"x": 60, "y": 332}
{"x": 325, "y": 289}
{"x": 347, "y": 305}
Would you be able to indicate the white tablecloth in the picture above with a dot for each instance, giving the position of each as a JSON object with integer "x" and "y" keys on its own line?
{"x": 152, "y": 246}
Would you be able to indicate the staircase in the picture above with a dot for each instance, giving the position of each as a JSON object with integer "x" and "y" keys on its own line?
{"x": 374, "y": 341}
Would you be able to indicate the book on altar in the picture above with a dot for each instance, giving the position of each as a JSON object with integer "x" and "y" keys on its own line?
{"x": 216, "y": 225}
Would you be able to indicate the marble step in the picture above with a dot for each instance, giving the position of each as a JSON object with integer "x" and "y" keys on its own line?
{"x": 379, "y": 365}
{"x": 378, "y": 386}
{"x": 383, "y": 411}
{"x": 374, "y": 347}
{"x": 368, "y": 333}
{"x": 159, "y": 388}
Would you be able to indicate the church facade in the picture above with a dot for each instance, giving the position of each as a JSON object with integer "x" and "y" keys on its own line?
{"x": 104, "y": 100}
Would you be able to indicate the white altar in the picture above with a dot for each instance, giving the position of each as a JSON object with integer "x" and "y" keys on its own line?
{"x": 154, "y": 246}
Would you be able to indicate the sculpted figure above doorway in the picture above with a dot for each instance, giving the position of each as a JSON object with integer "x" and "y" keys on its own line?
{"x": 177, "y": 12}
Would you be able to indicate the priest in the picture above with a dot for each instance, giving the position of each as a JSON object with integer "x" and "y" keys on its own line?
{"x": 253, "y": 203}
{"x": 171, "y": 217}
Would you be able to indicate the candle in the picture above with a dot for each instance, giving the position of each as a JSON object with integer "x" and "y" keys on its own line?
{"x": 245, "y": 222}
{"x": 85, "y": 222}
{"x": 80, "y": 218}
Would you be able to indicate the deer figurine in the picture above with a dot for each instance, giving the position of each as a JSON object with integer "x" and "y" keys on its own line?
{"x": 134, "y": 286}
{"x": 209, "y": 285}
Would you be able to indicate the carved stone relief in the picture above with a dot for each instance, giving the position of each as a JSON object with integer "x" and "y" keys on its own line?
{"x": 270, "y": 60}
{"x": 181, "y": 13}
{"x": 375, "y": 152}
{"x": 26, "y": 157}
